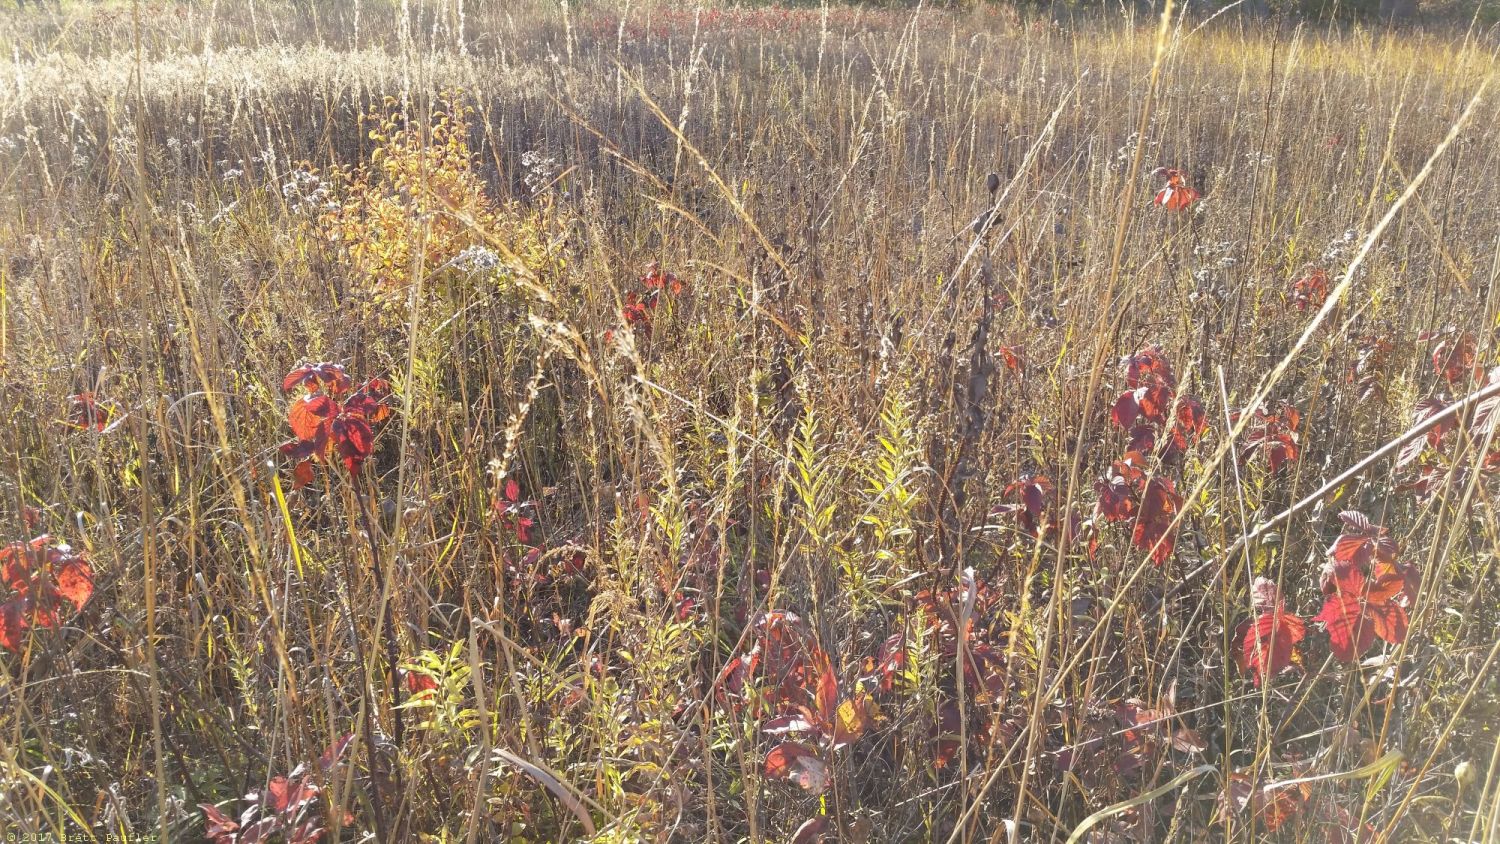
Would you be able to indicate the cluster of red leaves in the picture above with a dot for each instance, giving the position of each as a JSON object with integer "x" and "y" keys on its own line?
{"x": 965, "y": 618}
{"x": 1151, "y": 401}
{"x": 333, "y": 419}
{"x": 1272, "y": 434}
{"x": 1311, "y": 290}
{"x": 640, "y": 305}
{"x": 87, "y": 413}
{"x": 1368, "y": 369}
{"x": 516, "y": 519}
{"x": 1268, "y": 643}
{"x": 1367, "y": 592}
{"x": 789, "y": 681}
{"x": 287, "y": 807}
{"x": 511, "y": 512}
{"x": 1032, "y": 501}
{"x": 1157, "y": 420}
{"x": 1454, "y": 361}
{"x": 1150, "y": 410}
{"x": 44, "y": 579}
{"x": 1277, "y": 803}
{"x": 1454, "y": 355}
{"x": 1129, "y": 493}
{"x": 1176, "y": 196}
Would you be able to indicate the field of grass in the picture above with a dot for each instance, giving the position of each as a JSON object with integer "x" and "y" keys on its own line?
{"x": 509, "y": 421}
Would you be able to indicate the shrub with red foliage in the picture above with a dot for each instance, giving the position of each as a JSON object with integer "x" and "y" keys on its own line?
{"x": 789, "y": 679}
{"x": 288, "y": 807}
{"x": 1272, "y": 434}
{"x": 1454, "y": 355}
{"x": 1367, "y": 592}
{"x": 639, "y": 307}
{"x": 1129, "y": 492}
{"x": 1032, "y": 501}
{"x": 332, "y": 419}
{"x": 86, "y": 412}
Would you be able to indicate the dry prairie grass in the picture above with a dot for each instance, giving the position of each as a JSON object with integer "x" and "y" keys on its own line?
{"x": 625, "y": 538}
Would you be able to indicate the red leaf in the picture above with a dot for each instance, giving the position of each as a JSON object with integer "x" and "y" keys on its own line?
{"x": 1125, "y": 410}
{"x": 218, "y": 827}
{"x": 74, "y": 581}
{"x": 1153, "y": 527}
{"x": 302, "y": 474}
{"x": 418, "y": 682}
{"x": 85, "y": 412}
{"x": 355, "y": 441}
{"x": 1149, "y": 367}
{"x": 1361, "y": 544}
{"x": 317, "y": 376}
{"x": 798, "y": 763}
{"x": 309, "y": 417}
{"x": 1453, "y": 357}
{"x": 1311, "y": 290}
{"x": 827, "y": 697}
{"x": 335, "y": 752}
{"x": 1350, "y": 633}
{"x": 13, "y": 623}
{"x": 1268, "y": 643}
{"x": 1176, "y": 195}
{"x": 276, "y": 797}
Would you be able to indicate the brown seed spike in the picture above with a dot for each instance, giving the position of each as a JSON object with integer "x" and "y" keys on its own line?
{"x": 992, "y": 183}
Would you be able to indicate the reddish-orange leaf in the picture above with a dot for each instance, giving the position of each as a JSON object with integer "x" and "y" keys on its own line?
{"x": 1269, "y": 642}
{"x": 308, "y": 417}
{"x": 317, "y": 376}
{"x": 1176, "y": 195}
{"x": 418, "y": 682}
{"x": 827, "y": 696}
{"x": 74, "y": 581}
{"x": 1311, "y": 290}
{"x": 302, "y": 474}
{"x": 13, "y": 623}
{"x": 1350, "y": 632}
{"x": 1153, "y": 527}
{"x": 86, "y": 412}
